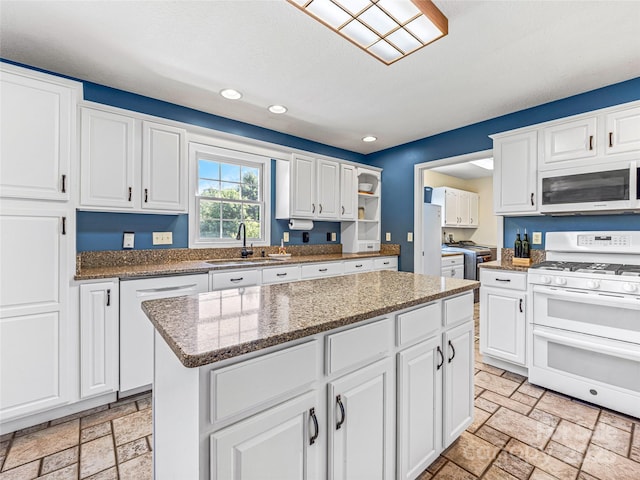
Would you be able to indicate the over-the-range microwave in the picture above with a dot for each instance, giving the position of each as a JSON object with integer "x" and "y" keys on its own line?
{"x": 613, "y": 187}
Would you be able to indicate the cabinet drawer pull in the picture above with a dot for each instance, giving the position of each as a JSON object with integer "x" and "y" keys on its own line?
{"x": 359, "y": 265}
{"x": 590, "y": 142}
{"x": 64, "y": 225}
{"x": 64, "y": 184}
{"x": 146, "y": 195}
{"x": 503, "y": 279}
{"x": 236, "y": 279}
{"x": 386, "y": 263}
{"x": 343, "y": 415}
{"x": 323, "y": 269}
{"x": 611, "y": 139}
{"x": 316, "y": 428}
{"x": 441, "y": 358}
{"x": 281, "y": 274}
{"x": 108, "y": 297}
{"x": 130, "y": 192}
{"x": 453, "y": 350}
{"x": 520, "y": 305}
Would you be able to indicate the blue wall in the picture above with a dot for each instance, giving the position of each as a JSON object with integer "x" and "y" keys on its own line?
{"x": 398, "y": 163}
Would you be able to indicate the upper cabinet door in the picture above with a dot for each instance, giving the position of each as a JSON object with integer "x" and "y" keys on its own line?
{"x": 514, "y": 176}
{"x": 464, "y": 215}
{"x": 623, "y": 131}
{"x": 107, "y": 156}
{"x": 303, "y": 204}
{"x": 348, "y": 192}
{"x": 569, "y": 141}
{"x": 474, "y": 208}
{"x": 164, "y": 174}
{"x": 37, "y": 121}
{"x": 451, "y": 216}
{"x": 328, "y": 189}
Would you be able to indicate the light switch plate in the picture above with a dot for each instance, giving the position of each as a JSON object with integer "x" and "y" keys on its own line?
{"x": 536, "y": 238}
{"x": 162, "y": 238}
{"x": 334, "y": 237}
{"x": 285, "y": 237}
{"x": 409, "y": 236}
{"x": 128, "y": 239}
{"x": 387, "y": 237}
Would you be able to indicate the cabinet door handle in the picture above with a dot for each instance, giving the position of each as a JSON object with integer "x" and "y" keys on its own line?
{"x": 146, "y": 195}
{"x": 453, "y": 272}
{"x": 532, "y": 204}
{"x": 64, "y": 184}
{"x": 130, "y": 192}
{"x": 441, "y": 358}
{"x": 611, "y": 139}
{"x": 520, "y": 305}
{"x": 320, "y": 208}
{"x": 590, "y": 142}
{"x": 343, "y": 415}
{"x": 453, "y": 350}
{"x": 313, "y": 208}
{"x": 316, "y": 428}
{"x": 343, "y": 209}
{"x": 64, "y": 225}
{"x": 236, "y": 279}
{"x": 108, "y": 297}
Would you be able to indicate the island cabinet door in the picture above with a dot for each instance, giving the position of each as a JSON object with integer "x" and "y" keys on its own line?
{"x": 458, "y": 381}
{"x": 360, "y": 422}
{"x": 284, "y": 443}
{"x": 419, "y": 407}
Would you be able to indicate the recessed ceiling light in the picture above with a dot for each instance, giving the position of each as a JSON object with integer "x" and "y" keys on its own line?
{"x": 231, "y": 94}
{"x": 277, "y": 109}
{"x": 369, "y": 138}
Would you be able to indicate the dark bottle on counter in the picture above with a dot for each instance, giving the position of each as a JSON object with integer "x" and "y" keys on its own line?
{"x": 517, "y": 246}
{"x": 526, "y": 248}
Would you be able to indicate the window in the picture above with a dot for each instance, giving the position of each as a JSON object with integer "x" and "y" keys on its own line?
{"x": 230, "y": 189}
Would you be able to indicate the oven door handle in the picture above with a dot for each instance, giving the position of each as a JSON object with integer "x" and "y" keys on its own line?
{"x": 631, "y": 353}
{"x": 592, "y": 297}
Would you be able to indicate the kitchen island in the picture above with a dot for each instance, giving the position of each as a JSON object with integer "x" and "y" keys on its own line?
{"x": 323, "y": 378}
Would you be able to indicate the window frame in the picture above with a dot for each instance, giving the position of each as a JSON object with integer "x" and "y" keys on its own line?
{"x": 199, "y": 151}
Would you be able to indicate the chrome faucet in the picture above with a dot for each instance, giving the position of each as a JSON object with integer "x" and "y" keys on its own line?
{"x": 245, "y": 253}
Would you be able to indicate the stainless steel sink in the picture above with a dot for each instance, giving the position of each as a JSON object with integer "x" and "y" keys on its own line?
{"x": 237, "y": 262}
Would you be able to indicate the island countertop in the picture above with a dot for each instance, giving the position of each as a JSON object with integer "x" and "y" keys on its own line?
{"x": 210, "y": 327}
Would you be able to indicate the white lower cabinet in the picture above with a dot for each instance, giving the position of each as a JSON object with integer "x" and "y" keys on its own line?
{"x": 360, "y": 423}
{"x": 99, "y": 338}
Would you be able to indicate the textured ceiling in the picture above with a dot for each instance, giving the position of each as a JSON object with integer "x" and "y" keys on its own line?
{"x": 499, "y": 57}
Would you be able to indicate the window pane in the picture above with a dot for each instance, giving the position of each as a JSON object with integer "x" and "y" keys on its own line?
{"x": 230, "y": 228}
{"x": 250, "y": 184}
{"x": 230, "y": 191}
{"x": 231, "y": 211}
{"x": 208, "y": 169}
{"x": 208, "y": 188}
{"x": 230, "y": 173}
{"x": 251, "y": 212}
{"x": 253, "y": 229}
{"x": 209, "y": 219}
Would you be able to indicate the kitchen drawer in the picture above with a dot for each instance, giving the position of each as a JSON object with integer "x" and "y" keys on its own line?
{"x": 456, "y": 271}
{"x": 356, "y": 346}
{"x": 321, "y": 270}
{"x": 419, "y": 323}
{"x": 355, "y": 266}
{"x": 458, "y": 309}
{"x": 234, "y": 279}
{"x": 256, "y": 384}
{"x": 503, "y": 279}
{"x": 385, "y": 263}
{"x": 281, "y": 274}
{"x": 452, "y": 260}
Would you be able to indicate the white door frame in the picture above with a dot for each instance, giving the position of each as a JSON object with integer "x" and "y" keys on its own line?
{"x": 418, "y": 199}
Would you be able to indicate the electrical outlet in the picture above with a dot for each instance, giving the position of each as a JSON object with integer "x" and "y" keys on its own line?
{"x": 334, "y": 236}
{"x": 409, "y": 236}
{"x": 387, "y": 237}
{"x": 128, "y": 239}
{"x": 162, "y": 238}
{"x": 285, "y": 236}
{"x": 536, "y": 238}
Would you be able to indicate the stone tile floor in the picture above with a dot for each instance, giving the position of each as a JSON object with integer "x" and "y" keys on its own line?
{"x": 520, "y": 432}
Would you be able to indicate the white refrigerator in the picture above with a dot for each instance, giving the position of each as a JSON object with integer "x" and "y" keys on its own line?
{"x": 431, "y": 239}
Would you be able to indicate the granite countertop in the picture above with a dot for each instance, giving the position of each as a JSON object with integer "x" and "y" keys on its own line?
{"x": 201, "y": 266}
{"x": 503, "y": 264}
{"x": 210, "y": 327}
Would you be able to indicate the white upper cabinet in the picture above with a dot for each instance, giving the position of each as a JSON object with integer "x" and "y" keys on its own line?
{"x": 348, "y": 192}
{"x": 303, "y": 187}
{"x": 474, "y": 209}
{"x": 623, "y": 131}
{"x": 569, "y": 141}
{"x": 37, "y": 127}
{"x": 131, "y": 165}
{"x": 460, "y": 208}
{"x": 328, "y": 190}
{"x": 514, "y": 175}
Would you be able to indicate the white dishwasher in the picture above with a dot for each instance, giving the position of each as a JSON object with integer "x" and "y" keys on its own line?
{"x": 136, "y": 331}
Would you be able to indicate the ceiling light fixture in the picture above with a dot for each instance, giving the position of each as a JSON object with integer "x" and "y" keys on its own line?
{"x": 278, "y": 109}
{"x": 231, "y": 94}
{"x": 369, "y": 138}
{"x": 387, "y": 29}
{"x": 486, "y": 163}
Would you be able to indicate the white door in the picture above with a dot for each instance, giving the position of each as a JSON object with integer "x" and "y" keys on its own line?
{"x": 503, "y": 324}
{"x": 348, "y": 192}
{"x": 37, "y": 122}
{"x": 569, "y": 141}
{"x": 458, "y": 381}
{"x": 98, "y": 338}
{"x": 282, "y": 443}
{"x": 35, "y": 365}
{"x": 623, "y": 131}
{"x": 360, "y": 422}
{"x": 328, "y": 189}
{"x": 164, "y": 173}
{"x": 514, "y": 175}
{"x": 107, "y": 160}
{"x": 419, "y": 407}
{"x": 451, "y": 207}
{"x": 474, "y": 208}
{"x": 303, "y": 187}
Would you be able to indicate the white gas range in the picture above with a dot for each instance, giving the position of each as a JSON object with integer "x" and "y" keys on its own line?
{"x": 585, "y": 318}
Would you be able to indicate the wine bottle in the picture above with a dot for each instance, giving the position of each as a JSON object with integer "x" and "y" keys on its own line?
{"x": 526, "y": 252}
{"x": 517, "y": 246}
